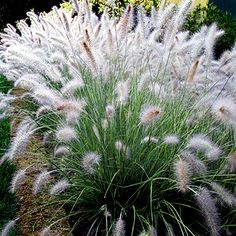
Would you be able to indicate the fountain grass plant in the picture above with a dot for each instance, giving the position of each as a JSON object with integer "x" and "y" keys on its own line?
{"x": 139, "y": 119}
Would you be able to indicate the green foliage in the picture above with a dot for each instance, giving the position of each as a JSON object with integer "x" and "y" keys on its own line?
{"x": 207, "y": 16}
{"x": 139, "y": 182}
{"x": 7, "y": 200}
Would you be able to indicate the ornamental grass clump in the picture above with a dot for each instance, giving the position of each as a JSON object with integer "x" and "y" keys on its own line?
{"x": 135, "y": 112}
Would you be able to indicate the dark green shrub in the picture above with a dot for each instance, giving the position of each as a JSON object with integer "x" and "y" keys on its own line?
{"x": 7, "y": 200}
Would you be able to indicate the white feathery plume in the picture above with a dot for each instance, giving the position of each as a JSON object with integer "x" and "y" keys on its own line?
{"x": 149, "y": 114}
{"x": 61, "y": 151}
{"x": 150, "y": 139}
{"x": 76, "y": 5}
{"x": 89, "y": 161}
{"x": 66, "y": 134}
{"x": 122, "y": 91}
{"x": 7, "y": 228}
{"x": 45, "y": 232}
{"x": 59, "y": 187}
{"x": 203, "y": 143}
{"x": 105, "y": 124}
{"x": 119, "y": 228}
{"x": 183, "y": 174}
{"x": 171, "y": 139}
{"x": 110, "y": 111}
{"x": 42, "y": 110}
{"x": 119, "y": 145}
{"x": 96, "y": 132}
{"x": 71, "y": 109}
{"x": 210, "y": 40}
{"x": 23, "y": 134}
{"x": 198, "y": 167}
{"x": 72, "y": 86}
{"x": 225, "y": 195}
{"x": 40, "y": 181}
{"x": 46, "y": 96}
{"x": 18, "y": 180}
{"x": 177, "y": 22}
{"x": 224, "y": 109}
{"x": 231, "y": 162}
{"x": 209, "y": 210}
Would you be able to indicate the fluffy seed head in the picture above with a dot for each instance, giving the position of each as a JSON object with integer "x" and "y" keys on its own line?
{"x": 198, "y": 167}
{"x": 65, "y": 134}
{"x": 183, "y": 173}
{"x": 73, "y": 85}
{"x": 40, "y": 181}
{"x": 18, "y": 180}
{"x": 119, "y": 229}
{"x": 8, "y": 228}
{"x": 89, "y": 161}
{"x": 122, "y": 91}
{"x": 203, "y": 143}
{"x": 209, "y": 210}
{"x": 59, "y": 187}
{"x": 150, "y": 139}
{"x": 110, "y": 111}
{"x": 45, "y": 232}
{"x": 171, "y": 139}
{"x": 224, "y": 109}
{"x": 224, "y": 194}
{"x": 62, "y": 151}
{"x": 149, "y": 114}
{"x": 232, "y": 162}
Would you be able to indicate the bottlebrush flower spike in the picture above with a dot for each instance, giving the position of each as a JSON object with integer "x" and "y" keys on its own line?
{"x": 59, "y": 187}
{"x": 183, "y": 174}
{"x": 171, "y": 139}
{"x": 231, "y": 162}
{"x": 203, "y": 143}
{"x": 110, "y": 111}
{"x": 119, "y": 229}
{"x": 40, "y": 181}
{"x": 66, "y": 134}
{"x": 61, "y": 151}
{"x": 45, "y": 232}
{"x": 150, "y": 139}
{"x": 8, "y": 228}
{"x": 225, "y": 195}
{"x": 18, "y": 180}
{"x": 150, "y": 114}
{"x": 198, "y": 167}
{"x": 89, "y": 161}
{"x": 209, "y": 210}
{"x": 122, "y": 91}
{"x": 224, "y": 109}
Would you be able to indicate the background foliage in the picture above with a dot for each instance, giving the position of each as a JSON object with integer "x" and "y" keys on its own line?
{"x": 7, "y": 200}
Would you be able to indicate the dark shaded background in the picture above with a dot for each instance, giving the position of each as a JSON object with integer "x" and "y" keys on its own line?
{"x": 226, "y": 5}
{"x": 13, "y": 10}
